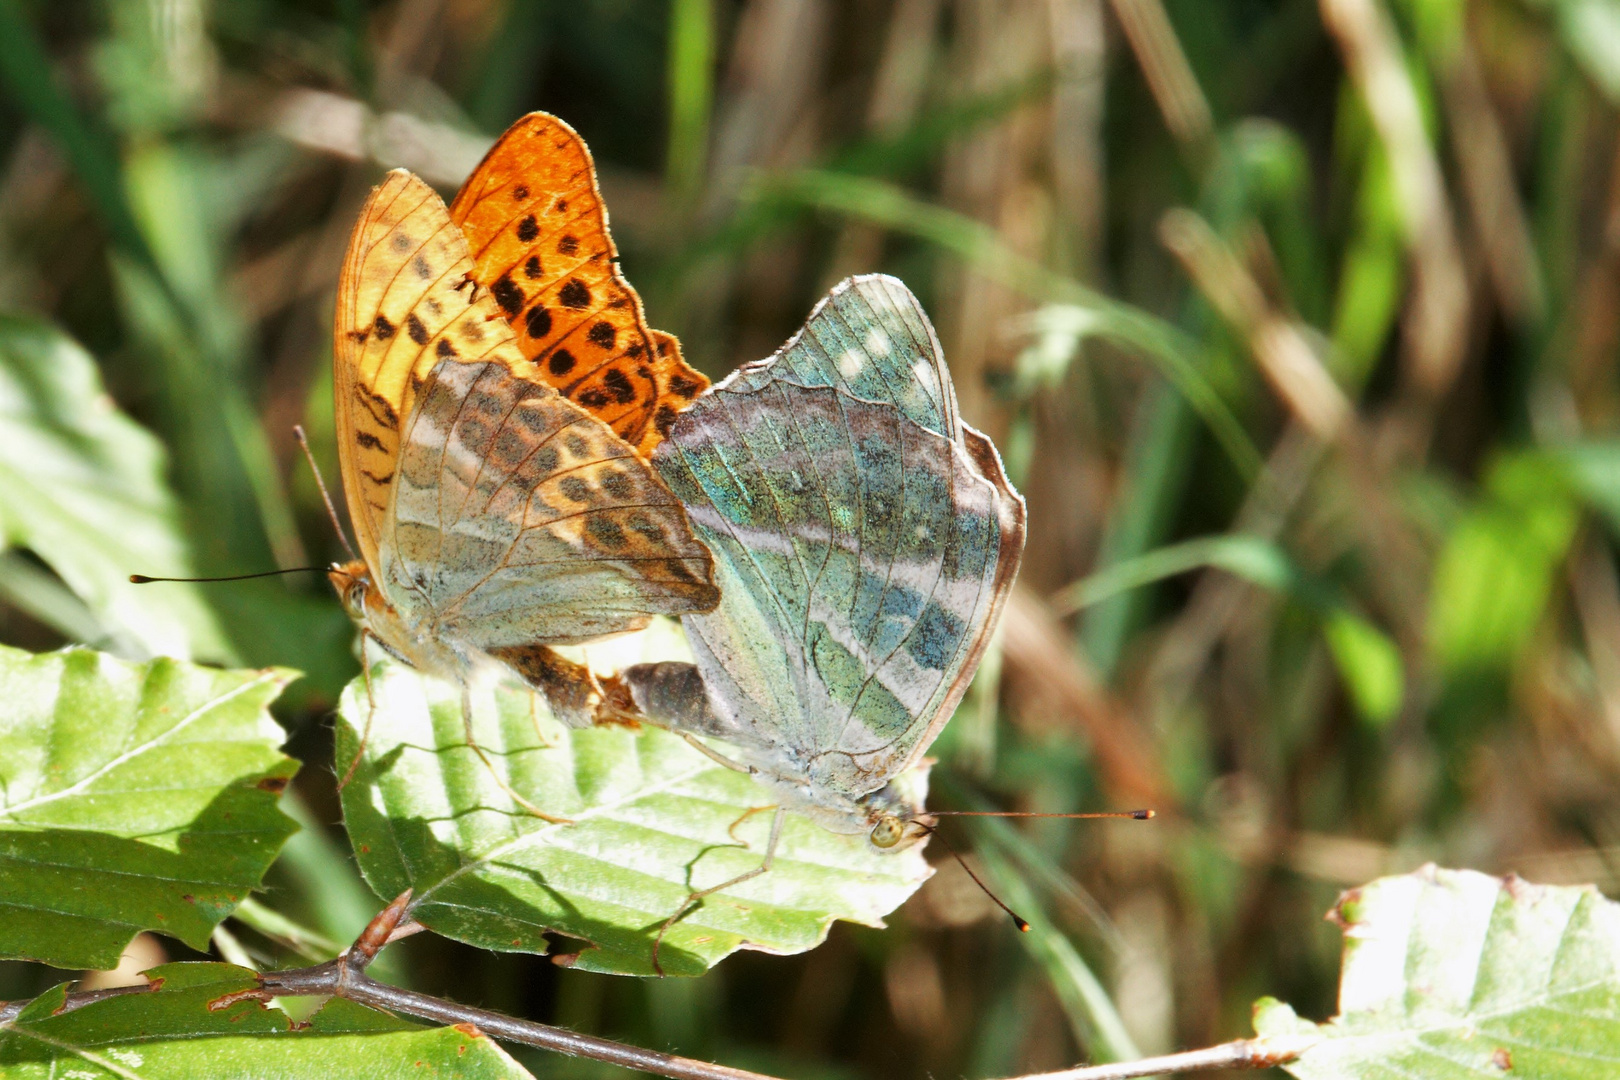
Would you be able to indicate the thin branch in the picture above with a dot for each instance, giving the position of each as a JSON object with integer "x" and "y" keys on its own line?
{"x": 1261, "y": 1053}
{"x": 345, "y": 977}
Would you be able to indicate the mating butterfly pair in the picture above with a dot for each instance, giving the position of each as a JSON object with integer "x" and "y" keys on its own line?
{"x": 836, "y": 541}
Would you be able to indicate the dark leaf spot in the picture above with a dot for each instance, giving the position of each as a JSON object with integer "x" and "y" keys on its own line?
{"x": 528, "y": 229}
{"x": 272, "y": 783}
{"x": 574, "y": 294}
{"x": 602, "y": 335}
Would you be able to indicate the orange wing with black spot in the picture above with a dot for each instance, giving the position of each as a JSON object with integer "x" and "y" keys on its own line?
{"x": 404, "y": 303}
{"x": 537, "y": 229}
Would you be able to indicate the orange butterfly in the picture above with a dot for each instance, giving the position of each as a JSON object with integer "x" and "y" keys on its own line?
{"x": 537, "y": 229}
{"x": 497, "y": 511}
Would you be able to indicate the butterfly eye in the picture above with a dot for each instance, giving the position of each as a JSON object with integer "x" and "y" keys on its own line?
{"x": 887, "y": 832}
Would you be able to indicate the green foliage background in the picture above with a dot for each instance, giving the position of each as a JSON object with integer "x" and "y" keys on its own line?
{"x": 1297, "y": 322}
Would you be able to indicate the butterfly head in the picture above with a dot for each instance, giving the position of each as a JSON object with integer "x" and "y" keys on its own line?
{"x": 354, "y": 586}
{"x": 895, "y": 814}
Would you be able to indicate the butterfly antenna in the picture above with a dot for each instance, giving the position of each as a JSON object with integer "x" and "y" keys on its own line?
{"x": 142, "y": 579}
{"x": 331, "y": 511}
{"x": 933, "y": 830}
{"x": 1130, "y": 815}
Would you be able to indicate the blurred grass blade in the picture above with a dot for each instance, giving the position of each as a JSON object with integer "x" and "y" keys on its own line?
{"x": 45, "y": 599}
{"x": 1172, "y": 352}
{"x": 82, "y": 487}
{"x": 691, "y": 97}
{"x": 1365, "y": 656}
{"x": 132, "y": 797}
{"x": 309, "y": 944}
{"x": 26, "y": 68}
{"x": 1452, "y": 973}
{"x": 1091, "y": 1013}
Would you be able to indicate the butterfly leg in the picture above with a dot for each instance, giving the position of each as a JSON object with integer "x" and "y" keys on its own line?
{"x": 371, "y": 711}
{"x": 695, "y": 900}
{"x": 472, "y": 742}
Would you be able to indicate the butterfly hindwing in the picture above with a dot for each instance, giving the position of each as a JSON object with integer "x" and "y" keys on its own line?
{"x": 521, "y": 519}
{"x": 862, "y": 560}
{"x": 537, "y": 229}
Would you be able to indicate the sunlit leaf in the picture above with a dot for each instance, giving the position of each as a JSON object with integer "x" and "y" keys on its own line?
{"x": 1450, "y": 973}
{"x": 172, "y": 1032}
{"x": 132, "y": 797}
{"x": 649, "y": 822}
{"x": 81, "y": 486}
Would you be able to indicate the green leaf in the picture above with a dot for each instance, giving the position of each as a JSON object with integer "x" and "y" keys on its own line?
{"x": 1496, "y": 570}
{"x": 1454, "y": 974}
{"x": 173, "y": 1032}
{"x": 82, "y": 487}
{"x": 649, "y": 824}
{"x": 132, "y": 797}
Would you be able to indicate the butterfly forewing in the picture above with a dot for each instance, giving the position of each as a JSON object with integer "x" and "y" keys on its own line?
{"x": 402, "y": 302}
{"x": 870, "y": 337}
{"x": 521, "y": 519}
{"x": 537, "y": 228}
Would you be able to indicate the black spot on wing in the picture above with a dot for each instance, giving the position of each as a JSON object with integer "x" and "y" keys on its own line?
{"x": 531, "y": 269}
{"x": 602, "y": 335}
{"x": 605, "y": 531}
{"x": 414, "y": 327}
{"x": 444, "y": 350}
{"x": 507, "y": 294}
{"x": 568, "y": 245}
{"x": 576, "y": 489}
{"x": 520, "y": 193}
{"x": 382, "y": 327}
{"x": 618, "y": 384}
{"x": 538, "y": 322}
{"x": 575, "y": 294}
{"x": 528, "y": 229}
{"x": 561, "y": 362}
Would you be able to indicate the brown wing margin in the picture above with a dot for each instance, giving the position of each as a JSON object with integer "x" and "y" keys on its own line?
{"x": 537, "y": 229}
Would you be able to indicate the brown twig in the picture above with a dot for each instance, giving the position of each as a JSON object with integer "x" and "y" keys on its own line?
{"x": 1261, "y": 1053}
{"x": 346, "y": 977}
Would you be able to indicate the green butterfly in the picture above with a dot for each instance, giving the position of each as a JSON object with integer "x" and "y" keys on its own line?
{"x": 864, "y": 540}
